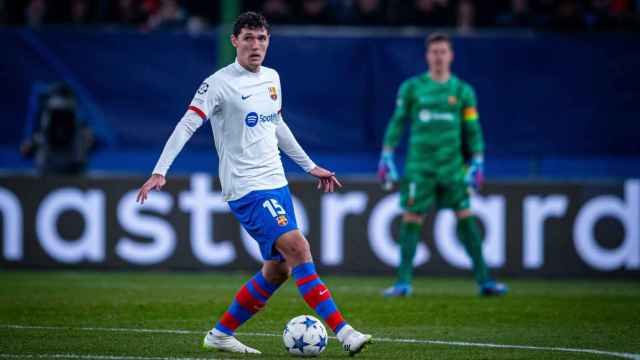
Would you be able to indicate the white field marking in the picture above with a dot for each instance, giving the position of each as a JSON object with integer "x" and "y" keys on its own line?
{"x": 380, "y": 339}
{"x": 84, "y": 328}
{"x": 91, "y": 357}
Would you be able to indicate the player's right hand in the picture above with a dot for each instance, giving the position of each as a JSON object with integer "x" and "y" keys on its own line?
{"x": 387, "y": 173}
{"x": 155, "y": 182}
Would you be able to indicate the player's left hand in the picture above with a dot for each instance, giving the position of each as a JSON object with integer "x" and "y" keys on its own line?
{"x": 475, "y": 173}
{"x": 326, "y": 179}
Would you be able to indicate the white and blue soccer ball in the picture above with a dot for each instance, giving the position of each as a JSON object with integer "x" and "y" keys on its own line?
{"x": 305, "y": 335}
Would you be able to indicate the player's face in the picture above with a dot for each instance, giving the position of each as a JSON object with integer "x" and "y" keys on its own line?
{"x": 251, "y": 47}
{"x": 439, "y": 56}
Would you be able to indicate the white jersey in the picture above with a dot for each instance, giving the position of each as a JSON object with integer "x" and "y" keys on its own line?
{"x": 244, "y": 109}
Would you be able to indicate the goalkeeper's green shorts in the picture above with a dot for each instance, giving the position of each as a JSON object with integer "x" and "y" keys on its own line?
{"x": 419, "y": 193}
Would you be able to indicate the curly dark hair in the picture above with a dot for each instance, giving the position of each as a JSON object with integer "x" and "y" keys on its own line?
{"x": 251, "y": 20}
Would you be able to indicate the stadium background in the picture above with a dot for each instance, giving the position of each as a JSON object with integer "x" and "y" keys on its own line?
{"x": 557, "y": 83}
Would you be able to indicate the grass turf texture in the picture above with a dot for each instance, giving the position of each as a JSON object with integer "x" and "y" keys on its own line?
{"x": 601, "y": 315}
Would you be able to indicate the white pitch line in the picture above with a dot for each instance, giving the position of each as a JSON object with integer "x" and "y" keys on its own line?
{"x": 91, "y": 357}
{"x": 521, "y": 347}
{"x": 84, "y": 328}
{"x": 623, "y": 355}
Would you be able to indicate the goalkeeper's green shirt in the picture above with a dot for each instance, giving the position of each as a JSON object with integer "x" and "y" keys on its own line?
{"x": 444, "y": 126}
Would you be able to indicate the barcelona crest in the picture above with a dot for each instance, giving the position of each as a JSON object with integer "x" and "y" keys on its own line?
{"x": 273, "y": 93}
{"x": 282, "y": 220}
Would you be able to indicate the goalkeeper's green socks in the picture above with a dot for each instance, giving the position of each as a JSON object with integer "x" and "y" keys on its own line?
{"x": 469, "y": 235}
{"x": 409, "y": 236}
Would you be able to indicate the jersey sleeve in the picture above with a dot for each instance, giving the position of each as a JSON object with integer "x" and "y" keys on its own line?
{"x": 472, "y": 138}
{"x": 206, "y": 100}
{"x": 400, "y": 116}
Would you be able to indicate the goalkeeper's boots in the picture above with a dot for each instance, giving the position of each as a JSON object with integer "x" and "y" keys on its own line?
{"x": 493, "y": 288}
{"x": 352, "y": 340}
{"x": 398, "y": 290}
{"x": 216, "y": 339}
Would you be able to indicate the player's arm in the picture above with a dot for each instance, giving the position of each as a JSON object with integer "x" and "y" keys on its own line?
{"x": 193, "y": 118}
{"x": 473, "y": 142}
{"x": 386, "y": 167}
{"x": 395, "y": 128}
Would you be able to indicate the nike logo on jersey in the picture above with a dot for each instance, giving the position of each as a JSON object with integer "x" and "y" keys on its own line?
{"x": 324, "y": 291}
{"x": 246, "y": 97}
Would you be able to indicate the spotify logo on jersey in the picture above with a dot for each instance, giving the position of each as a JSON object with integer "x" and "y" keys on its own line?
{"x": 251, "y": 120}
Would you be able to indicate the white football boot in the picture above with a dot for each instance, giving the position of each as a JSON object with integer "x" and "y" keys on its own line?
{"x": 352, "y": 340}
{"x": 216, "y": 339}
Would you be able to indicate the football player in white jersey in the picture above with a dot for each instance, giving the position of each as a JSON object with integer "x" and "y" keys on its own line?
{"x": 242, "y": 101}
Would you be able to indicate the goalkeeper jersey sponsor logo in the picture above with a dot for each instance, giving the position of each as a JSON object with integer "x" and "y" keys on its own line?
{"x": 426, "y": 116}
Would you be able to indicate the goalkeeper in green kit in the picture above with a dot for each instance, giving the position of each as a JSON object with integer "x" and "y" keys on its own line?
{"x": 444, "y": 159}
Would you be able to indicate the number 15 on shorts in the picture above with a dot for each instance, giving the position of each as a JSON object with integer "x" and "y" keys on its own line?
{"x": 274, "y": 207}
{"x": 277, "y": 211}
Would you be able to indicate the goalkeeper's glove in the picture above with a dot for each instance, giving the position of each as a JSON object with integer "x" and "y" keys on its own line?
{"x": 475, "y": 173}
{"x": 387, "y": 172}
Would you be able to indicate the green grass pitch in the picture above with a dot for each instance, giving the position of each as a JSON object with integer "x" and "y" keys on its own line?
{"x": 148, "y": 316}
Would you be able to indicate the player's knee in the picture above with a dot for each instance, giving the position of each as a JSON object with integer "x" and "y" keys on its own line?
{"x": 294, "y": 247}
{"x": 412, "y": 218}
{"x": 301, "y": 251}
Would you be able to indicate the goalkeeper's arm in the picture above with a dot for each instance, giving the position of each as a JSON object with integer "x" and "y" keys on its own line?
{"x": 387, "y": 172}
{"x": 472, "y": 140}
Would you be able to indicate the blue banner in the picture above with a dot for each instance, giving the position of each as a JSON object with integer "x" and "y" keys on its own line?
{"x": 541, "y": 97}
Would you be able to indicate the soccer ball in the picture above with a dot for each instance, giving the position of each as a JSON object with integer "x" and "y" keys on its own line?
{"x": 305, "y": 335}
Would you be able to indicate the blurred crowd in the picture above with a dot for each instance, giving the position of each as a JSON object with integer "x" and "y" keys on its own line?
{"x": 465, "y": 15}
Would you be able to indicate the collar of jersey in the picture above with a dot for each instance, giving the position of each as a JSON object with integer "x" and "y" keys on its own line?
{"x": 428, "y": 77}
{"x": 244, "y": 71}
